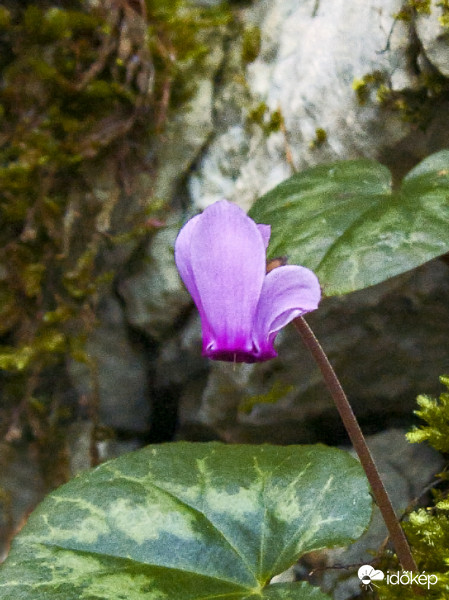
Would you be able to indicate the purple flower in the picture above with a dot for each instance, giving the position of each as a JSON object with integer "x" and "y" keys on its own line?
{"x": 221, "y": 257}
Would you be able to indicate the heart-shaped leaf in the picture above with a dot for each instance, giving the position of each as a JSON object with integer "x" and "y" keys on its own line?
{"x": 189, "y": 522}
{"x": 343, "y": 221}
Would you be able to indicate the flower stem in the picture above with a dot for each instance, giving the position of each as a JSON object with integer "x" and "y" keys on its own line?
{"x": 350, "y": 422}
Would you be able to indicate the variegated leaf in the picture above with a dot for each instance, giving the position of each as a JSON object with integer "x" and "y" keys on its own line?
{"x": 344, "y": 221}
{"x": 188, "y": 521}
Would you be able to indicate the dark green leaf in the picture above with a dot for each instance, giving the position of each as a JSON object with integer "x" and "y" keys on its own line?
{"x": 189, "y": 522}
{"x": 344, "y": 222}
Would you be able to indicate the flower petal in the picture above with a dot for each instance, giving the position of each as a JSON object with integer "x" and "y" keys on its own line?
{"x": 184, "y": 264}
{"x": 228, "y": 265}
{"x": 287, "y": 293}
{"x": 265, "y": 232}
{"x": 183, "y": 257}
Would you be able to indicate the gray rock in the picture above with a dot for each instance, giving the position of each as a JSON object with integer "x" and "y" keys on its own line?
{"x": 179, "y": 361}
{"x": 79, "y": 440}
{"x": 220, "y": 166}
{"x": 387, "y": 344}
{"x": 21, "y": 488}
{"x": 109, "y": 449}
{"x": 84, "y": 451}
{"x": 155, "y": 295}
{"x": 434, "y": 37}
{"x": 188, "y": 130}
{"x": 311, "y": 53}
{"x": 117, "y": 379}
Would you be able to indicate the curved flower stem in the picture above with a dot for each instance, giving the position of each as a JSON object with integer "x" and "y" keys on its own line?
{"x": 355, "y": 433}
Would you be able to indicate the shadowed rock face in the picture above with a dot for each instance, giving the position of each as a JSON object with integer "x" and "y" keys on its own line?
{"x": 433, "y": 37}
{"x": 387, "y": 342}
{"x": 120, "y": 377}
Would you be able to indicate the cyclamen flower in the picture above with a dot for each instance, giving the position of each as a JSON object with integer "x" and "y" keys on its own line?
{"x": 221, "y": 257}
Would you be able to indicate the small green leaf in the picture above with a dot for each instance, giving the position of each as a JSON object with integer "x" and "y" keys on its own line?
{"x": 188, "y": 522}
{"x": 343, "y": 221}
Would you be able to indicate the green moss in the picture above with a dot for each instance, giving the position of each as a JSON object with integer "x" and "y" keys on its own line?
{"x": 257, "y": 114}
{"x": 269, "y": 121}
{"x": 320, "y": 138}
{"x": 75, "y": 91}
{"x": 427, "y": 528}
{"x": 275, "y": 122}
{"x": 251, "y": 43}
{"x": 413, "y": 105}
{"x": 436, "y": 414}
{"x": 444, "y": 17}
{"x": 363, "y": 87}
{"x": 16, "y": 359}
{"x": 277, "y": 392}
{"x": 5, "y": 17}
{"x": 412, "y": 7}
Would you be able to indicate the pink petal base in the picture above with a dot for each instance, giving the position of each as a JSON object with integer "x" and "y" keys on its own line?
{"x": 238, "y": 356}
